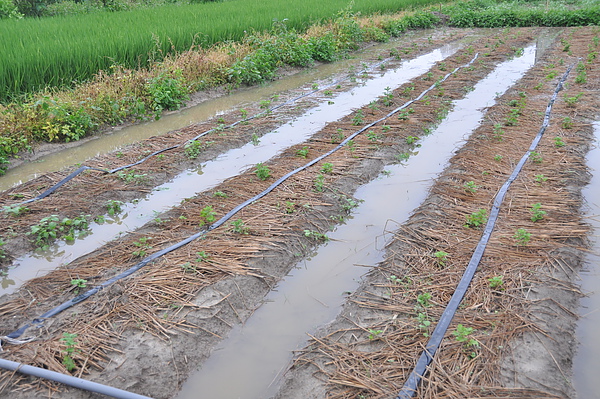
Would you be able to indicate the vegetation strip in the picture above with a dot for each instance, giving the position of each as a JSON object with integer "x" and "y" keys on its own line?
{"x": 220, "y": 222}
{"x": 83, "y": 168}
{"x": 426, "y": 357}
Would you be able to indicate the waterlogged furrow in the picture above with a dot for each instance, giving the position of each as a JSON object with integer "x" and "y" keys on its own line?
{"x": 232, "y": 163}
{"x": 311, "y": 295}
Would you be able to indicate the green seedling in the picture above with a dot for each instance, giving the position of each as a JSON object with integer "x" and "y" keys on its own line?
{"x": 262, "y": 171}
{"x": 243, "y": 113}
{"x": 442, "y": 257}
{"x": 498, "y": 132}
{"x": 463, "y": 334}
{"x": 327, "y": 167}
{"x": 70, "y": 350}
{"x": 219, "y": 194}
{"x": 372, "y": 136}
{"x": 142, "y": 247}
{"x": 290, "y": 207}
{"x": 424, "y": 300}
{"x": 46, "y": 231}
{"x": 255, "y": 140}
{"x": 338, "y": 136}
{"x": 114, "y": 207}
{"x": 385, "y": 128}
{"x": 358, "y": 118}
{"x": 328, "y": 93}
{"x": 303, "y": 152}
{"x": 208, "y": 215}
{"x": 388, "y": 97}
{"x": 424, "y": 323}
{"x": 402, "y": 157}
{"x": 537, "y": 212}
{"x": 78, "y": 283}
{"x": 567, "y": 123}
{"x": 189, "y": 267}
{"x": 132, "y": 177}
{"x": 315, "y": 235}
{"x": 349, "y": 203}
{"x": 496, "y": 283}
{"x": 572, "y": 101}
{"x": 15, "y": 210}
{"x": 498, "y": 158}
{"x": 539, "y": 179}
{"x": 522, "y": 237}
{"x": 410, "y": 140}
{"x": 202, "y": 256}
{"x": 476, "y": 219}
{"x": 536, "y": 157}
{"x": 239, "y": 227}
{"x": 264, "y": 104}
{"x": 470, "y": 187}
{"x": 319, "y": 183}
{"x": 374, "y": 333}
{"x": 558, "y": 142}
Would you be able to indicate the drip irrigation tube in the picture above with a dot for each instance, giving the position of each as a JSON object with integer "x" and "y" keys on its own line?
{"x": 69, "y": 380}
{"x": 411, "y": 384}
{"x": 81, "y": 169}
{"x": 39, "y": 320}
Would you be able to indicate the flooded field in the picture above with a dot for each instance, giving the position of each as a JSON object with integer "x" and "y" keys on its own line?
{"x": 322, "y": 240}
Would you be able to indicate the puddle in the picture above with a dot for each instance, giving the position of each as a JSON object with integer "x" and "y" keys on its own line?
{"x": 227, "y": 165}
{"x": 587, "y": 360}
{"x": 312, "y": 294}
{"x": 179, "y": 119}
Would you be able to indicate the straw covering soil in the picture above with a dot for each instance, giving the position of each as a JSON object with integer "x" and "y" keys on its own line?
{"x": 146, "y": 333}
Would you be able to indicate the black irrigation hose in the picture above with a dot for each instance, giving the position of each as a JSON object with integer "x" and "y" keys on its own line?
{"x": 411, "y": 384}
{"x": 81, "y": 169}
{"x": 69, "y": 380}
{"x": 39, "y": 320}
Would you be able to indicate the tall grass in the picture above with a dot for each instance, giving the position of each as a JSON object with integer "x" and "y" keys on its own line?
{"x": 57, "y": 51}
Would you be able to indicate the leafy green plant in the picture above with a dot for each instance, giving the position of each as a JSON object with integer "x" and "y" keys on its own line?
{"x": 410, "y": 140}
{"x": 303, "y": 152}
{"x": 327, "y": 167}
{"x": 372, "y": 136}
{"x": 348, "y": 203}
{"x": 133, "y": 177}
{"x": 46, "y": 231}
{"x": 78, "y": 283}
{"x": 388, "y": 97}
{"x": 238, "y": 226}
{"x": 114, "y": 207}
{"x": 424, "y": 299}
{"x": 567, "y": 123}
{"x": 219, "y": 194}
{"x": 522, "y": 237}
{"x": 208, "y": 215}
{"x": 572, "y": 100}
{"x": 319, "y": 183}
{"x": 536, "y": 157}
{"x": 498, "y": 157}
{"x": 498, "y": 132}
{"x": 15, "y": 210}
{"x": 69, "y": 340}
{"x": 290, "y": 207}
{"x": 477, "y": 219}
{"x": 262, "y": 171}
{"x": 315, "y": 235}
{"x": 442, "y": 257}
{"x": 142, "y": 247}
{"x": 496, "y": 282}
{"x": 194, "y": 148}
{"x": 464, "y": 335}
{"x": 167, "y": 91}
{"x": 558, "y": 142}
{"x": 358, "y": 118}
{"x": 423, "y": 323}
{"x": 374, "y": 333}
{"x": 470, "y": 187}
{"x": 255, "y": 140}
{"x": 75, "y": 227}
{"x": 537, "y": 212}
{"x": 539, "y": 179}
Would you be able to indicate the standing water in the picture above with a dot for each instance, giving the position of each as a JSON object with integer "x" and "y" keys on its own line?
{"x": 227, "y": 165}
{"x": 311, "y": 295}
{"x": 587, "y": 361}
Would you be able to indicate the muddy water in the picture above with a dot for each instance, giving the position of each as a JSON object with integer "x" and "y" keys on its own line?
{"x": 121, "y": 137}
{"x": 587, "y": 361}
{"x": 227, "y": 165}
{"x": 255, "y": 354}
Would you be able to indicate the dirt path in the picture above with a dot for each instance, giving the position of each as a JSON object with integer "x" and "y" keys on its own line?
{"x": 146, "y": 333}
